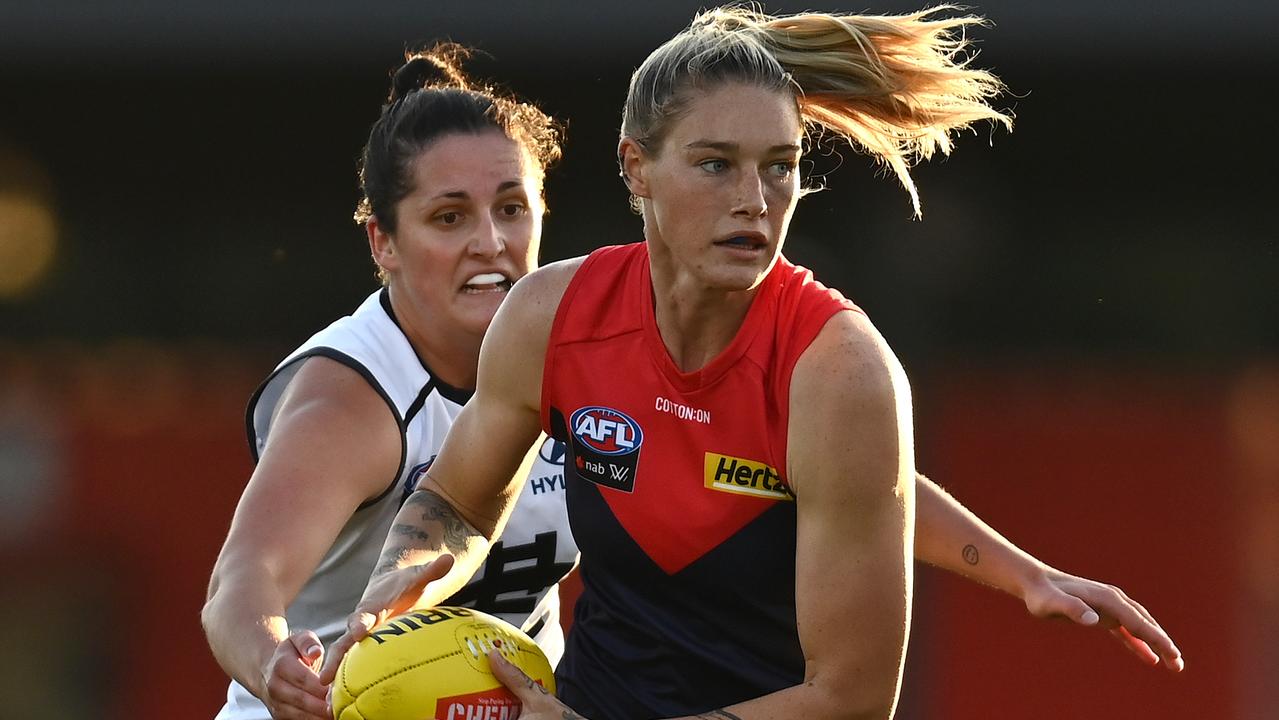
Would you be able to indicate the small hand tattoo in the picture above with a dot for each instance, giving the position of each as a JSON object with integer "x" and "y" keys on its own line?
{"x": 971, "y": 556}
{"x": 528, "y": 683}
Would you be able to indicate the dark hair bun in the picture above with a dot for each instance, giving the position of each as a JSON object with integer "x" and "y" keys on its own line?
{"x": 440, "y": 66}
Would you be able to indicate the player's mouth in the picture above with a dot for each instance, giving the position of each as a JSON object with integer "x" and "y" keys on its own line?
{"x": 748, "y": 241}
{"x": 489, "y": 282}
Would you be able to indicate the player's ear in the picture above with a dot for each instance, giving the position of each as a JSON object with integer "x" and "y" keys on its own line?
{"x": 381, "y": 245}
{"x": 633, "y": 161}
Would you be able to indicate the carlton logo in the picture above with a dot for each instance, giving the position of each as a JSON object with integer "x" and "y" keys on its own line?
{"x": 414, "y": 477}
{"x": 606, "y": 431}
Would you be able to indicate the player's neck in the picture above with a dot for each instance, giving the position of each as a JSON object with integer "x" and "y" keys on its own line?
{"x": 450, "y": 362}
{"x": 697, "y": 324}
{"x": 451, "y": 353}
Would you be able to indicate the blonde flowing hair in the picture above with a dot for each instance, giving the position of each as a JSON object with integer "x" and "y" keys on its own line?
{"x": 896, "y": 87}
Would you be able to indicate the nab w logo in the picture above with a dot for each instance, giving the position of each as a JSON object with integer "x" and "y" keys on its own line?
{"x": 606, "y": 431}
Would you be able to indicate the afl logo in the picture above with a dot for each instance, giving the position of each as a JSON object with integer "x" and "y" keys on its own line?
{"x": 606, "y": 431}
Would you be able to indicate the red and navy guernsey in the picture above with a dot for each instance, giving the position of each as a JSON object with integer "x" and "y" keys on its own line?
{"x": 677, "y": 493}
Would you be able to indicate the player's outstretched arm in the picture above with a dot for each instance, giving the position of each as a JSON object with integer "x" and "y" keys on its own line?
{"x": 850, "y": 463}
{"x": 440, "y": 536}
{"x": 951, "y": 537}
{"x": 333, "y": 444}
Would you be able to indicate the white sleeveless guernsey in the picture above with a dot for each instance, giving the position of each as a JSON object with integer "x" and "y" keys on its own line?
{"x": 518, "y": 580}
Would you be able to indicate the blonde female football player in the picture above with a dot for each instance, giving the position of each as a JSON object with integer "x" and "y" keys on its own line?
{"x": 748, "y": 555}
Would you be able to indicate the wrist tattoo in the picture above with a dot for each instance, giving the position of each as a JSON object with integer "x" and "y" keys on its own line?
{"x": 971, "y": 556}
{"x": 719, "y": 715}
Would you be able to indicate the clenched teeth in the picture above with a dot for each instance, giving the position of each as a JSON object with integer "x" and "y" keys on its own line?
{"x": 487, "y": 283}
{"x": 486, "y": 279}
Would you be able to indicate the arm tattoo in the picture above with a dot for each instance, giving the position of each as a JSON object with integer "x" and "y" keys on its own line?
{"x": 719, "y": 715}
{"x": 405, "y": 539}
{"x": 410, "y": 533}
{"x": 971, "y": 556}
{"x": 388, "y": 564}
{"x": 436, "y": 509}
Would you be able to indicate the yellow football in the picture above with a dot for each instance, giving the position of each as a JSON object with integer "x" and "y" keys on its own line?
{"x": 434, "y": 664}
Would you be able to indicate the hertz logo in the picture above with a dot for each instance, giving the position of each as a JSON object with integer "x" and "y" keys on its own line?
{"x": 744, "y": 477}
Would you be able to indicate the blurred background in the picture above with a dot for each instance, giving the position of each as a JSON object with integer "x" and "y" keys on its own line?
{"x": 1089, "y": 312}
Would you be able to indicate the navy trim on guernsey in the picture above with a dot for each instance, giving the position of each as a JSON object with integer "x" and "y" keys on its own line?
{"x": 461, "y": 396}
{"x": 357, "y": 366}
{"x": 537, "y": 626}
{"x": 419, "y": 401}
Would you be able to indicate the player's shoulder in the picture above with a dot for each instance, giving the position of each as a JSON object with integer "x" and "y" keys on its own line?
{"x": 329, "y": 409}
{"x": 518, "y": 337}
{"x": 850, "y": 358}
{"x": 550, "y": 280}
{"x": 849, "y": 379}
{"x": 329, "y": 386}
{"x": 534, "y": 299}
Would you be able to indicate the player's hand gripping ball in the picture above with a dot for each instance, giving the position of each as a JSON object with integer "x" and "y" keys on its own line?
{"x": 434, "y": 664}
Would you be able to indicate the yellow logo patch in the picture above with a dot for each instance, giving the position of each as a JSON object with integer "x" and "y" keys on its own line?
{"x": 744, "y": 477}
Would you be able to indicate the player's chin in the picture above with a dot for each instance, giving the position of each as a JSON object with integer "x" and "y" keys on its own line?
{"x": 476, "y": 309}
{"x": 736, "y": 277}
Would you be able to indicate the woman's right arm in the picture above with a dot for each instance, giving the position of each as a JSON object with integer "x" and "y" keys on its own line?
{"x": 463, "y": 502}
{"x": 333, "y": 444}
